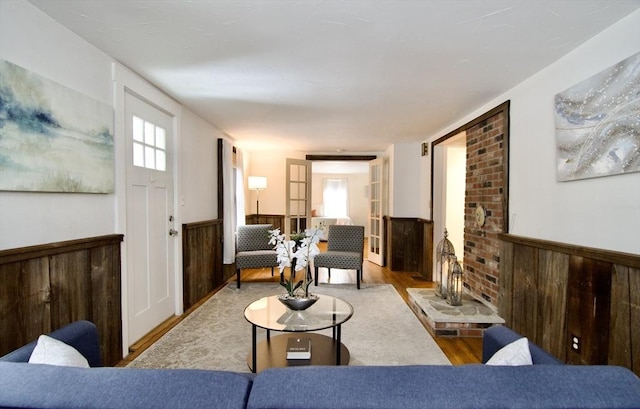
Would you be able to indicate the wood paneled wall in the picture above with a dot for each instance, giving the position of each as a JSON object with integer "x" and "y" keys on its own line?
{"x": 276, "y": 220}
{"x": 425, "y": 265}
{"x": 555, "y": 293}
{"x": 410, "y": 245}
{"x": 45, "y": 287}
{"x": 203, "y": 271}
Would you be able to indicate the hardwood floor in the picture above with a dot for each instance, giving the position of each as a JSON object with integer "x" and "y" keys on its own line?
{"x": 458, "y": 350}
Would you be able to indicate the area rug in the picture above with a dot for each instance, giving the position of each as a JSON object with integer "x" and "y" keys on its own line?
{"x": 382, "y": 331}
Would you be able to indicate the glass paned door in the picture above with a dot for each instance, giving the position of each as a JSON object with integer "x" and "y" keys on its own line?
{"x": 376, "y": 201}
{"x": 298, "y": 195}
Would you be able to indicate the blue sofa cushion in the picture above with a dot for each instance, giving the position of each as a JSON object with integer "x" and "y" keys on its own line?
{"x": 44, "y": 386}
{"x": 81, "y": 335}
{"x": 468, "y": 386}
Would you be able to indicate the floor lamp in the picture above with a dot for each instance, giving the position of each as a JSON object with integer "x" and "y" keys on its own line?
{"x": 257, "y": 183}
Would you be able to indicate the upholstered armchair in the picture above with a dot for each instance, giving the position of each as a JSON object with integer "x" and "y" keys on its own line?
{"x": 253, "y": 249}
{"x": 345, "y": 248}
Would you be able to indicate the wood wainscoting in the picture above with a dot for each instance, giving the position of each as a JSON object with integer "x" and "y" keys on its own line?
{"x": 410, "y": 245}
{"x": 580, "y": 304}
{"x": 276, "y": 220}
{"x": 203, "y": 271}
{"x": 45, "y": 287}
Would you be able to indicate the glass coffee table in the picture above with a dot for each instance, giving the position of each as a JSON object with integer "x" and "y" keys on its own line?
{"x": 270, "y": 314}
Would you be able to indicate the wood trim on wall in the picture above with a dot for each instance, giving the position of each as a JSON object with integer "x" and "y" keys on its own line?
{"x": 275, "y": 220}
{"x": 203, "y": 270}
{"x": 45, "y": 287}
{"x": 341, "y": 157}
{"x": 410, "y": 245}
{"x": 552, "y": 292}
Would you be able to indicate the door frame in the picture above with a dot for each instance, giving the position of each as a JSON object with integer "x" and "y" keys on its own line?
{"x": 503, "y": 108}
{"x": 126, "y": 81}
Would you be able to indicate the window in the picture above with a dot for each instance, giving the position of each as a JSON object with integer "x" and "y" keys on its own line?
{"x": 149, "y": 145}
{"x": 335, "y": 198}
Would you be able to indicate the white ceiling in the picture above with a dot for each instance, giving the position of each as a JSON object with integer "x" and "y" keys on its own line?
{"x": 327, "y": 76}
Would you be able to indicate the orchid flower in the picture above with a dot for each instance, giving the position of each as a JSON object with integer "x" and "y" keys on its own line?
{"x": 286, "y": 251}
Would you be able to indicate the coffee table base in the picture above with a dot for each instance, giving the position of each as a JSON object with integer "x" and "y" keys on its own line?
{"x": 273, "y": 353}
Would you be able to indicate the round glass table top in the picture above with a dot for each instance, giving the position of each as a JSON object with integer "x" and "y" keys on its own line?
{"x": 271, "y": 314}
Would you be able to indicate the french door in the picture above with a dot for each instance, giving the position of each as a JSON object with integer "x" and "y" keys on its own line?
{"x": 150, "y": 232}
{"x": 376, "y": 211}
{"x": 298, "y": 217}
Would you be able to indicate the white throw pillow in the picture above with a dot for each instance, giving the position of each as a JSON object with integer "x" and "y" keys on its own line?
{"x": 50, "y": 351}
{"x": 514, "y": 354}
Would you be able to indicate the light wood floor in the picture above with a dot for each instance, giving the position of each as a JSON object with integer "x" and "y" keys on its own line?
{"x": 458, "y": 350}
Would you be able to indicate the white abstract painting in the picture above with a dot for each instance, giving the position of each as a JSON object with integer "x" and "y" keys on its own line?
{"x": 598, "y": 124}
{"x": 52, "y": 138}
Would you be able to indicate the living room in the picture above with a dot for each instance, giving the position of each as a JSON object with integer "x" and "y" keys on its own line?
{"x": 597, "y": 213}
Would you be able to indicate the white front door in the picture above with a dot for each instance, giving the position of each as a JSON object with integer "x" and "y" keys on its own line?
{"x": 150, "y": 236}
{"x": 376, "y": 210}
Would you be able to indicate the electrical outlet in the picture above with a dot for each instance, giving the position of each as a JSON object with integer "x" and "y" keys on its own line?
{"x": 575, "y": 343}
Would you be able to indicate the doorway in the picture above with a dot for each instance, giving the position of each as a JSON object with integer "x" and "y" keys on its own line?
{"x": 150, "y": 217}
{"x": 486, "y": 198}
{"x": 449, "y": 191}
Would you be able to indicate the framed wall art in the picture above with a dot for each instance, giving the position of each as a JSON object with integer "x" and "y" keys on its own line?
{"x": 52, "y": 138}
{"x": 598, "y": 124}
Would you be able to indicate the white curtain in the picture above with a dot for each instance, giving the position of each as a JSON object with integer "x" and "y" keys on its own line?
{"x": 229, "y": 203}
{"x": 335, "y": 197}
{"x": 240, "y": 212}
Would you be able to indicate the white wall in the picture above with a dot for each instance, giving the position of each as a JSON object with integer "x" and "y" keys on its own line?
{"x": 199, "y": 165}
{"x": 602, "y": 213}
{"x": 36, "y": 42}
{"x": 405, "y": 180}
{"x": 455, "y": 194}
{"x": 32, "y": 40}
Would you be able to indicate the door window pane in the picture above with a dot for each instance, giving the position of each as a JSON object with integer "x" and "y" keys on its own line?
{"x": 138, "y": 129}
{"x": 149, "y": 146}
{"x": 138, "y": 154}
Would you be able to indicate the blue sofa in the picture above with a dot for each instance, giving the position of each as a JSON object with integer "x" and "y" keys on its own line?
{"x": 546, "y": 384}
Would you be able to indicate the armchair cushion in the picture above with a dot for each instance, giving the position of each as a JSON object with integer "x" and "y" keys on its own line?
{"x": 339, "y": 259}
{"x": 254, "y": 237}
{"x": 256, "y": 259}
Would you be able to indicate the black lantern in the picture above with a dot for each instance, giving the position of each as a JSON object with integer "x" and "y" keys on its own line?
{"x": 455, "y": 281}
{"x": 444, "y": 252}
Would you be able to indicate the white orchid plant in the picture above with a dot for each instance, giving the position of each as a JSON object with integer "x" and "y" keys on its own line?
{"x": 303, "y": 248}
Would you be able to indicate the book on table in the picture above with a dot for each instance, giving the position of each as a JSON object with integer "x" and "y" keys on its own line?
{"x": 299, "y": 348}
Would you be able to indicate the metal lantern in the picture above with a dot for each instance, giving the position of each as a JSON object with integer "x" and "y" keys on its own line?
{"x": 455, "y": 281}
{"x": 444, "y": 252}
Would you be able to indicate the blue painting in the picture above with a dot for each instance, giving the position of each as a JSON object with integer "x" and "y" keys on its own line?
{"x": 598, "y": 124}
{"x": 52, "y": 138}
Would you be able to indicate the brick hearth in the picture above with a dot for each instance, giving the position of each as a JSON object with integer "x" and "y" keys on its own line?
{"x": 443, "y": 320}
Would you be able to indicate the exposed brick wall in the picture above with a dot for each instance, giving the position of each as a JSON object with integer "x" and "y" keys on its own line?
{"x": 486, "y": 186}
